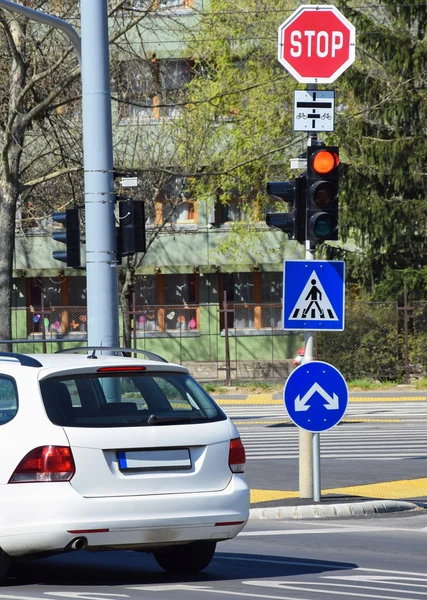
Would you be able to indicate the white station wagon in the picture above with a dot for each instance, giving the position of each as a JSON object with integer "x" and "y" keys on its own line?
{"x": 105, "y": 452}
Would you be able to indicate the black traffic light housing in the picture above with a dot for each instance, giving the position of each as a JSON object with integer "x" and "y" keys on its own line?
{"x": 293, "y": 222}
{"x": 70, "y": 236}
{"x": 131, "y": 230}
{"x": 323, "y": 174}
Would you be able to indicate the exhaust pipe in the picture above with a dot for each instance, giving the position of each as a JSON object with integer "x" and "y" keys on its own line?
{"x": 78, "y": 543}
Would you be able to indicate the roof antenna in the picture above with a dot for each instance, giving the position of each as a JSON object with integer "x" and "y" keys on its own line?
{"x": 93, "y": 355}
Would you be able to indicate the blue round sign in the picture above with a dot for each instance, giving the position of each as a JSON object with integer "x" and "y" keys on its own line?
{"x": 316, "y": 396}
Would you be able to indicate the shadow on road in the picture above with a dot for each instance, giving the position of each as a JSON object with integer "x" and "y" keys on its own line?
{"x": 133, "y": 568}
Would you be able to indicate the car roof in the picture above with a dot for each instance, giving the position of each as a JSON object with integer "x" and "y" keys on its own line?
{"x": 68, "y": 360}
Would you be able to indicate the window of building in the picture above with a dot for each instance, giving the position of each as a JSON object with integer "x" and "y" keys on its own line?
{"x": 166, "y": 303}
{"x": 240, "y": 292}
{"x": 272, "y": 287}
{"x": 256, "y": 300}
{"x": 145, "y": 290}
{"x": 76, "y": 290}
{"x": 44, "y": 292}
{"x": 235, "y": 210}
{"x": 180, "y": 289}
{"x": 146, "y": 313}
{"x": 239, "y": 287}
{"x": 152, "y": 88}
{"x": 182, "y": 212}
{"x": 180, "y": 292}
{"x": 271, "y": 293}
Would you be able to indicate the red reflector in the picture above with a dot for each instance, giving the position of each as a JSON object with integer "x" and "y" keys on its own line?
{"x": 229, "y": 523}
{"x": 46, "y": 463}
{"x": 120, "y": 369}
{"x": 88, "y": 531}
{"x": 237, "y": 456}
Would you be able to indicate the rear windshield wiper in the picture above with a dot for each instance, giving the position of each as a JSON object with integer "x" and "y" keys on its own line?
{"x": 157, "y": 420}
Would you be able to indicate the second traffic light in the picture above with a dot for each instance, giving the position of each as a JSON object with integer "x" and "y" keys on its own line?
{"x": 323, "y": 174}
{"x": 70, "y": 236}
{"x": 293, "y": 222}
{"x": 131, "y": 230}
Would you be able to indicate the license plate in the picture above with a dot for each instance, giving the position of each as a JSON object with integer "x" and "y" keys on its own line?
{"x": 154, "y": 460}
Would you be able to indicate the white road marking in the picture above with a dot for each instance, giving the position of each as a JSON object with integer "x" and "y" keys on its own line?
{"x": 296, "y": 586}
{"x": 88, "y": 595}
{"x": 362, "y": 529}
{"x": 190, "y": 588}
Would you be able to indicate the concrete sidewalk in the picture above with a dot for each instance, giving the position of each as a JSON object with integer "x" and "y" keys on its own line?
{"x": 334, "y": 508}
{"x": 354, "y": 501}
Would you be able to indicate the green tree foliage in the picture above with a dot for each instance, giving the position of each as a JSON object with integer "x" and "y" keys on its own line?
{"x": 237, "y": 129}
{"x": 381, "y": 131}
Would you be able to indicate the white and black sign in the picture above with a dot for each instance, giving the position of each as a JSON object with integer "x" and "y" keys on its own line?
{"x": 313, "y": 110}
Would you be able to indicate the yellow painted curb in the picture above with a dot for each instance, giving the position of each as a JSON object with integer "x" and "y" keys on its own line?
{"x": 388, "y": 399}
{"x": 387, "y": 490}
{"x": 268, "y": 399}
{"x": 291, "y": 423}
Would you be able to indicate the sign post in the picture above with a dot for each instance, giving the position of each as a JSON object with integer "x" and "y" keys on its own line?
{"x": 316, "y": 398}
{"x": 316, "y": 44}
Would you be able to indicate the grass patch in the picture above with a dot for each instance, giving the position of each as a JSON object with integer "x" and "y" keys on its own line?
{"x": 259, "y": 387}
{"x": 421, "y": 384}
{"x": 370, "y": 384}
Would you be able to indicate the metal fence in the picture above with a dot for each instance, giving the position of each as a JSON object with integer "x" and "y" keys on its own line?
{"x": 244, "y": 341}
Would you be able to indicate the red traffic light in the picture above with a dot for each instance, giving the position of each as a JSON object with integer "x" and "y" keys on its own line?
{"x": 324, "y": 161}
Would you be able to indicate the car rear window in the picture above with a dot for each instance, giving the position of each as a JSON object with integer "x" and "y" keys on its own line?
{"x": 127, "y": 400}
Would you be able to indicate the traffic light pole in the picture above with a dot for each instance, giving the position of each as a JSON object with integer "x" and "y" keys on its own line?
{"x": 309, "y": 443}
{"x": 306, "y": 437}
{"x": 101, "y": 251}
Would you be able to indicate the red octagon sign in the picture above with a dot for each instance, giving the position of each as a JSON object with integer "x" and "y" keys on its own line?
{"x": 316, "y": 44}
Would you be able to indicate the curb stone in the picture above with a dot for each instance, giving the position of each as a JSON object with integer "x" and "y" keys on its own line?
{"x": 327, "y": 511}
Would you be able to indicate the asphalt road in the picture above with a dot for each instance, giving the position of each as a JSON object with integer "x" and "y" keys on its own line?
{"x": 379, "y": 450}
{"x": 382, "y": 558}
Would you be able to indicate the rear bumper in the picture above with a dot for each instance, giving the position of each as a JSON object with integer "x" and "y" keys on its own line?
{"x": 43, "y": 516}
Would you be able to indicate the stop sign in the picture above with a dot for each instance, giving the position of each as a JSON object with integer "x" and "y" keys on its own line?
{"x": 316, "y": 44}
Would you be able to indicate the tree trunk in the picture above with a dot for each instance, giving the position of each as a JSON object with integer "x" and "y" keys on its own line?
{"x": 127, "y": 281}
{"x": 8, "y": 195}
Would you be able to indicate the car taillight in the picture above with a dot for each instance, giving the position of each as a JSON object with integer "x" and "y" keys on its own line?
{"x": 46, "y": 463}
{"x": 237, "y": 456}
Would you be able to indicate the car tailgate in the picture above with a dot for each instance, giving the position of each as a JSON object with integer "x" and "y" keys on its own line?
{"x": 161, "y": 459}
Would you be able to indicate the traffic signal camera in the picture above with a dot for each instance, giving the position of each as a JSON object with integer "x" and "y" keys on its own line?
{"x": 293, "y": 222}
{"x": 323, "y": 173}
{"x": 70, "y": 236}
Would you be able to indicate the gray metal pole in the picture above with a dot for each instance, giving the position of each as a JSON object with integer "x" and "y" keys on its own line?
{"x": 306, "y": 437}
{"x": 101, "y": 251}
{"x": 316, "y": 467}
{"x": 101, "y": 255}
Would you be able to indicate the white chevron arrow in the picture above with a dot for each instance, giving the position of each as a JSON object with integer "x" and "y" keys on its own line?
{"x": 301, "y": 403}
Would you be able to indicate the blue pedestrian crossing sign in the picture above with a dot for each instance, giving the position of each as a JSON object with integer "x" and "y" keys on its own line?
{"x": 313, "y": 295}
{"x": 316, "y": 396}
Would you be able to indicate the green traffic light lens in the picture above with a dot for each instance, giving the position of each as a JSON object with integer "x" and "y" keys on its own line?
{"x": 324, "y": 225}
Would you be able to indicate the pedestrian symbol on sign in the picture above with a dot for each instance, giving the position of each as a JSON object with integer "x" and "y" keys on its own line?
{"x": 313, "y": 303}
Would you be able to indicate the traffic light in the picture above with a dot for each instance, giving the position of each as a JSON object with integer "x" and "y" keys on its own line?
{"x": 69, "y": 236}
{"x": 131, "y": 230}
{"x": 292, "y": 223}
{"x": 323, "y": 174}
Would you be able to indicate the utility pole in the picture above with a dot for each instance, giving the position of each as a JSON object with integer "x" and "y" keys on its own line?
{"x": 101, "y": 252}
{"x": 100, "y": 199}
